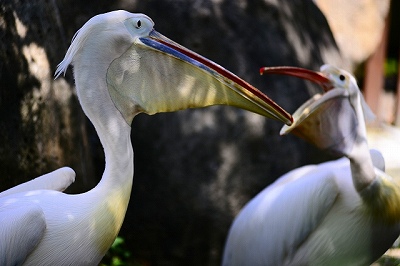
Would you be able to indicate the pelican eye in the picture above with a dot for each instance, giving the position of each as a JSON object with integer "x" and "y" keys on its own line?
{"x": 138, "y": 24}
{"x": 342, "y": 77}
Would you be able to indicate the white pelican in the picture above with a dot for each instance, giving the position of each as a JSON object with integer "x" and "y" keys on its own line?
{"x": 122, "y": 67}
{"x": 343, "y": 212}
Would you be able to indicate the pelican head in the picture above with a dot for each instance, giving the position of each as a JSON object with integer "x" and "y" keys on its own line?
{"x": 333, "y": 120}
{"x": 145, "y": 71}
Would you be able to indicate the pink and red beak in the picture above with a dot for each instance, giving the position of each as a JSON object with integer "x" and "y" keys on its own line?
{"x": 252, "y": 98}
{"x": 314, "y": 76}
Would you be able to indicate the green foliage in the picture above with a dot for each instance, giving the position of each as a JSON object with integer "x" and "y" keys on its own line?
{"x": 117, "y": 255}
{"x": 391, "y": 67}
{"x": 387, "y": 261}
{"x": 391, "y": 257}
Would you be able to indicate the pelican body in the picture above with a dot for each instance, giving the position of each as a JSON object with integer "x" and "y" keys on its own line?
{"x": 122, "y": 67}
{"x": 343, "y": 212}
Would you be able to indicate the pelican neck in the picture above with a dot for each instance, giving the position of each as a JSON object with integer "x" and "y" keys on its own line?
{"x": 111, "y": 127}
{"x": 361, "y": 165}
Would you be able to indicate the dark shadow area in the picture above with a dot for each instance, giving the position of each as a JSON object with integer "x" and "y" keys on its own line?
{"x": 39, "y": 133}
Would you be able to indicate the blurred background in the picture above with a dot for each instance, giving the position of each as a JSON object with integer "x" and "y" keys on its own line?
{"x": 194, "y": 169}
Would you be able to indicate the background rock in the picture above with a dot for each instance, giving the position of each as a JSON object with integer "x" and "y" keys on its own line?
{"x": 356, "y": 25}
{"x": 41, "y": 124}
{"x": 194, "y": 169}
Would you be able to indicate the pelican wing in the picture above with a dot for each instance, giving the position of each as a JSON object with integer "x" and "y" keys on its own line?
{"x": 300, "y": 199}
{"x": 22, "y": 227}
{"x": 58, "y": 180}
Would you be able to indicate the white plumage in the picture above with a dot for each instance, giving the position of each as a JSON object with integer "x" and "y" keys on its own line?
{"x": 58, "y": 180}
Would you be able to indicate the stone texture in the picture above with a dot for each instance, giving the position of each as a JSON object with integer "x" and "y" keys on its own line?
{"x": 356, "y": 25}
{"x": 42, "y": 126}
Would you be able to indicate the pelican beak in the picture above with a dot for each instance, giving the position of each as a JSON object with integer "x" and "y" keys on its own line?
{"x": 314, "y": 76}
{"x": 327, "y": 120}
{"x": 180, "y": 78}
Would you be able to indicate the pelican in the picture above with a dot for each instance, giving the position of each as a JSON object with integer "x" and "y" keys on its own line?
{"x": 342, "y": 212}
{"x": 122, "y": 67}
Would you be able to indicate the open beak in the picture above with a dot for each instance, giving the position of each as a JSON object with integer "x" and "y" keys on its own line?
{"x": 327, "y": 120}
{"x": 235, "y": 91}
